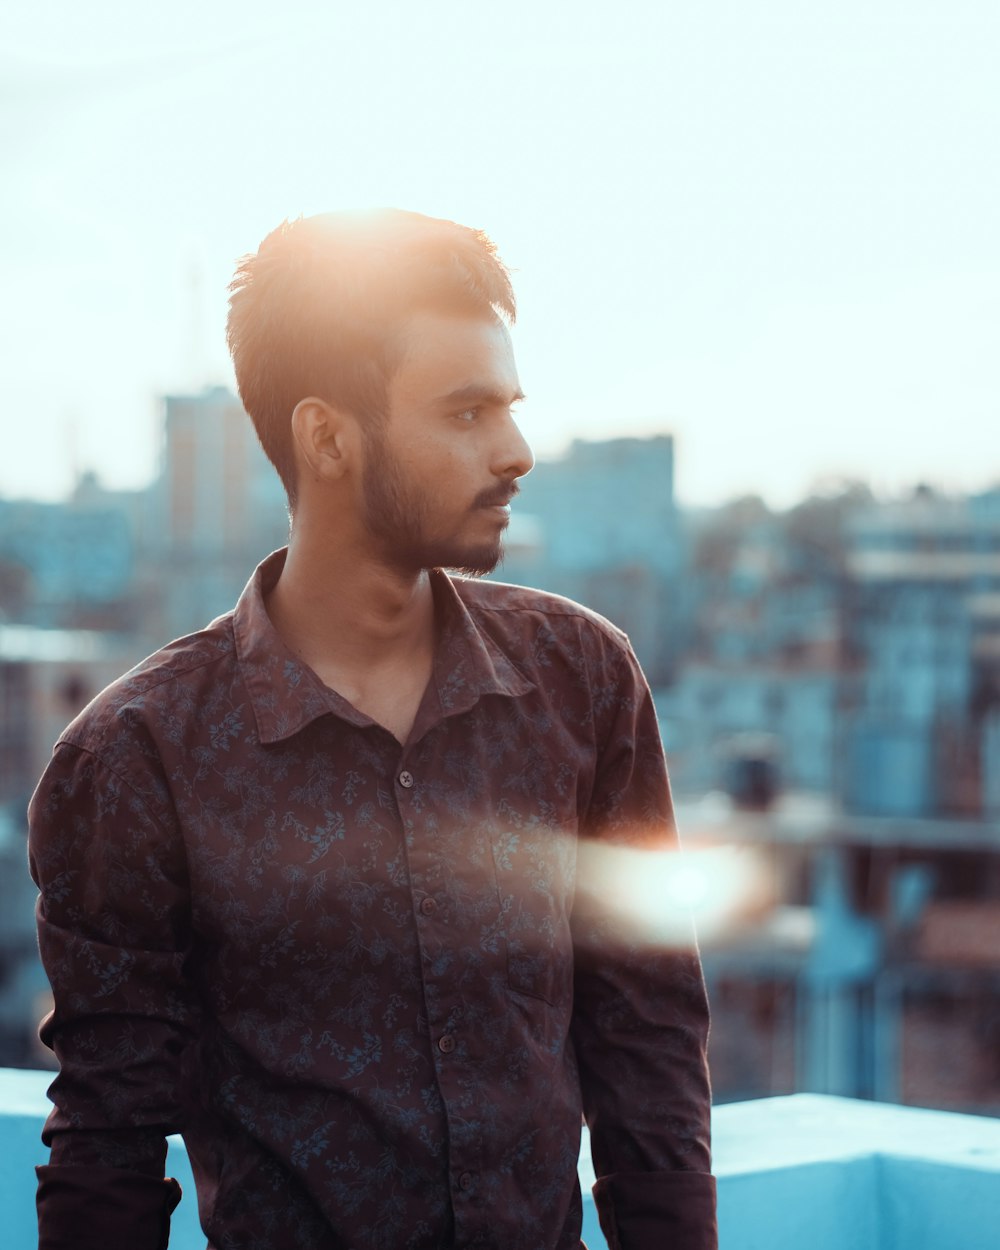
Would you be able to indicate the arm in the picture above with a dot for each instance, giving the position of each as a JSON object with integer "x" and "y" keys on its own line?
{"x": 640, "y": 1023}
{"x": 113, "y": 933}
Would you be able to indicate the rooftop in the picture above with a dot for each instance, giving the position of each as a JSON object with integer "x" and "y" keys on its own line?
{"x": 803, "y": 1171}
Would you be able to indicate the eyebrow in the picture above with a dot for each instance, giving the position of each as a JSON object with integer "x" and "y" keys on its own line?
{"x": 475, "y": 393}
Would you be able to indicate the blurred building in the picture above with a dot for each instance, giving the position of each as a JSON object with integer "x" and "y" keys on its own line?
{"x": 23, "y": 985}
{"x": 865, "y": 965}
{"x": 764, "y": 653}
{"x": 925, "y": 620}
{"x": 72, "y": 564}
{"x": 716, "y": 711}
{"x": 862, "y": 636}
{"x": 600, "y": 524}
{"x": 216, "y": 509}
{"x": 835, "y": 668}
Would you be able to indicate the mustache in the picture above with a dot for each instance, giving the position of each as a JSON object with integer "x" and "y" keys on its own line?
{"x": 498, "y": 497}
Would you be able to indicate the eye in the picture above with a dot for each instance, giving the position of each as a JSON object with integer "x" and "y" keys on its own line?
{"x": 469, "y": 415}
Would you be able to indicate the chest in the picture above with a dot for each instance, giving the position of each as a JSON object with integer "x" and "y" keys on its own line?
{"x": 338, "y": 856}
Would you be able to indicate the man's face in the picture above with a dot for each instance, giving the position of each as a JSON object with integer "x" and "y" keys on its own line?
{"x": 438, "y": 475}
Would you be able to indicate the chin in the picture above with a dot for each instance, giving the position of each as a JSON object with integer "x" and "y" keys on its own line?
{"x": 476, "y": 568}
{"x": 475, "y": 562}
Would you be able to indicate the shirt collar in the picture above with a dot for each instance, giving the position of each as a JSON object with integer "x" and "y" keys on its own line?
{"x": 287, "y": 695}
{"x": 468, "y": 662}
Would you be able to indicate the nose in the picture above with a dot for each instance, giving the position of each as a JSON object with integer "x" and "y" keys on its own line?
{"x": 513, "y": 457}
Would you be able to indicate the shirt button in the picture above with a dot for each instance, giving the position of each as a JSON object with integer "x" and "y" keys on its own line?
{"x": 446, "y": 1044}
{"x": 465, "y": 1181}
{"x": 428, "y": 906}
{"x": 406, "y": 780}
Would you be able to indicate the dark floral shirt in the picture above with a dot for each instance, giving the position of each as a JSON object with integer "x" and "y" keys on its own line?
{"x": 358, "y": 977}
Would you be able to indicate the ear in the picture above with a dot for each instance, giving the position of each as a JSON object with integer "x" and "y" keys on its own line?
{"x": 323, "y": 437}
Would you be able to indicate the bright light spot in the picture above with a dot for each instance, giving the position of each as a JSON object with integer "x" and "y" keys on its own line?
{"x": 657, "y": 895}
{"x": 688, "y": 886}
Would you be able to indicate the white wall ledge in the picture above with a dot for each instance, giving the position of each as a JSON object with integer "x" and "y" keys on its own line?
{"x": 806, "y": 1172}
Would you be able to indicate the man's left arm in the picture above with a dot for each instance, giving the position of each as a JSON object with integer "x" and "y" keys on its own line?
{"x": 640, "y": 1021}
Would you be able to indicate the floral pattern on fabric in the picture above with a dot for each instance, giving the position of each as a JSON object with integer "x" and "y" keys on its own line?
{"x": 351, "y": 972}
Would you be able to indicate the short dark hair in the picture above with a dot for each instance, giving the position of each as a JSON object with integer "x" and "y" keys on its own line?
{"x": 320, "y": 308}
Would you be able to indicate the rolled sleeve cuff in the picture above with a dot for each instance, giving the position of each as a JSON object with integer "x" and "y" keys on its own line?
{"x": 93, "y": 1208}
{"x": 658, "y": 1210}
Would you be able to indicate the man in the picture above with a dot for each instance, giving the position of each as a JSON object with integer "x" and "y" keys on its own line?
{"x": 314, "y": 883}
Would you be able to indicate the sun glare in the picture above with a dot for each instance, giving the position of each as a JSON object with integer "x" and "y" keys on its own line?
{"x": 657, "y": 895}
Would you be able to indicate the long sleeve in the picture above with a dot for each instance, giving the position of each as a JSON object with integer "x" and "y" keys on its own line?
{"x": 113, "y": 935}
{"x": 640, "y": 1023}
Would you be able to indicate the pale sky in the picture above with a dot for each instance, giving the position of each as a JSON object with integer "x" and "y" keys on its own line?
{"x": 772, "y": 228}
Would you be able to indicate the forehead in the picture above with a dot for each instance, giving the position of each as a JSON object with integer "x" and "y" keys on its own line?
{"x": 445, "y": 354}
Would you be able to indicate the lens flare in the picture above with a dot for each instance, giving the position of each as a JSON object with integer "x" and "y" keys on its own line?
{"x": 656, "y": 896}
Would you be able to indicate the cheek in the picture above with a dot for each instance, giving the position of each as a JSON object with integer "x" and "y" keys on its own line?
{"x": 454, "y": 469}
{"x": 446, "y": 473}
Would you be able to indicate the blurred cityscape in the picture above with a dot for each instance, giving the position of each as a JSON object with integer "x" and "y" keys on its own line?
{"x": 828, "y": 683}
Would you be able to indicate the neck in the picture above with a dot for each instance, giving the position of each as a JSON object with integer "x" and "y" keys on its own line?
{"x": 339, "y": 609}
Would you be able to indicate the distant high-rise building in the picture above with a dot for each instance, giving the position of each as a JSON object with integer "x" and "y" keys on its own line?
{"x": 218, "y": 508}
{"x": 219, "y": 495}
{"x": 607, "y": 504}
{"x": 600, "y": 525}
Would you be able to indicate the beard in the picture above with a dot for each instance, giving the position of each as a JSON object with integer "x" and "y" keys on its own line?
{"x": 395, "y": 515}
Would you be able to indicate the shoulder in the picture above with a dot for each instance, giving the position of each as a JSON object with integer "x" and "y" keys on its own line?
{"x": 498, "y": 599}
{"x": 108, "y": 763}
{"x": 155, "y": 690}
{"x": 555, "y": 642}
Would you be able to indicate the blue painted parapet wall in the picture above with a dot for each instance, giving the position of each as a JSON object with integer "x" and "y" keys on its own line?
{"x": 807, "y": 1172}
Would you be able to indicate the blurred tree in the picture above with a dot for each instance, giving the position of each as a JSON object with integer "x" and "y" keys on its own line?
{"x": 720, "y": 534}
{"x": 815, "y": 530}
